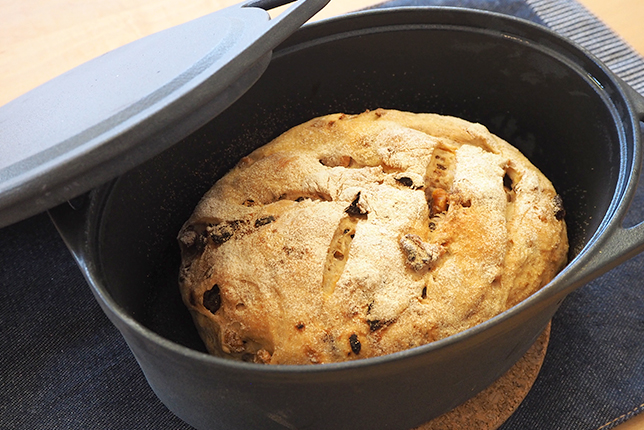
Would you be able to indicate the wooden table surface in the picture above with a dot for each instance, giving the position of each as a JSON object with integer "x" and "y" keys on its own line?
{"x": 40, "y": 39}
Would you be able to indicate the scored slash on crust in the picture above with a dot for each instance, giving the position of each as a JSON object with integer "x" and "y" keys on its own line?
{"x": 341, "y": 243}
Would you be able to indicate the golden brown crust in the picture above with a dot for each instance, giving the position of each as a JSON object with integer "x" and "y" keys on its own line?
{"x": 352, "y": 236}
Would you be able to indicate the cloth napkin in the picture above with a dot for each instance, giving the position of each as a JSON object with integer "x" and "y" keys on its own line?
{"x": 64, "y": 366}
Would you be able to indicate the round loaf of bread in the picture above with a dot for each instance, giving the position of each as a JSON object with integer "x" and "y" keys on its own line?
{"x": 354, "y": 236}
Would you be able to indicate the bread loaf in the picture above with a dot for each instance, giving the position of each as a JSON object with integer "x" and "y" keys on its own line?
{"x": 354, "y": 236}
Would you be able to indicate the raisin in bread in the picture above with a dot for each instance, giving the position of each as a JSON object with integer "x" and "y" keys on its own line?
{"x": 354, "y": 236}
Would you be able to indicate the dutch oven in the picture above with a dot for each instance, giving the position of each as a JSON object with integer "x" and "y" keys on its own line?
{"x": 193, "y": 100}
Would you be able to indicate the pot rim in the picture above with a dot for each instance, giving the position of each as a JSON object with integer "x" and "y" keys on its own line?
{"x": 556, "y": 289}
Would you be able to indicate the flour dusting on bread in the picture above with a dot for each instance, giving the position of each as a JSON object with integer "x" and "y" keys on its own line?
{"x": 354, "y": 236}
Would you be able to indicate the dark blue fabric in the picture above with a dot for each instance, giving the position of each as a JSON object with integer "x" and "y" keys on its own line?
{"x": 64, "y": 366}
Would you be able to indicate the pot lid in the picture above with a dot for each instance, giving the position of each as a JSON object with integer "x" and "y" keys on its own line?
{"x": 104, "y": 117}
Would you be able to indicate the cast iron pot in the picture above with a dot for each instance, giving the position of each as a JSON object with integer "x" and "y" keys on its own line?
{"x": 574, "y": 119}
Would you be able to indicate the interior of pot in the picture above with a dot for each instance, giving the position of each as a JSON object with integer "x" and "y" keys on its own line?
{"x": 513, "y": 79}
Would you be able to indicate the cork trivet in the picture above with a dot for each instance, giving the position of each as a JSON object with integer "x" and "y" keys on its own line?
{"x": 493, "y": 406}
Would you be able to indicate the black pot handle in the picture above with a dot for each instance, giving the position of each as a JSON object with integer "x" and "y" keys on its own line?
{"x": 286, "y": 23}
{"x": 618, "y": 243}
{"x": 300, "y": 9}
{"x": 268, "y": 4}
{"x": 621, "y": 244}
